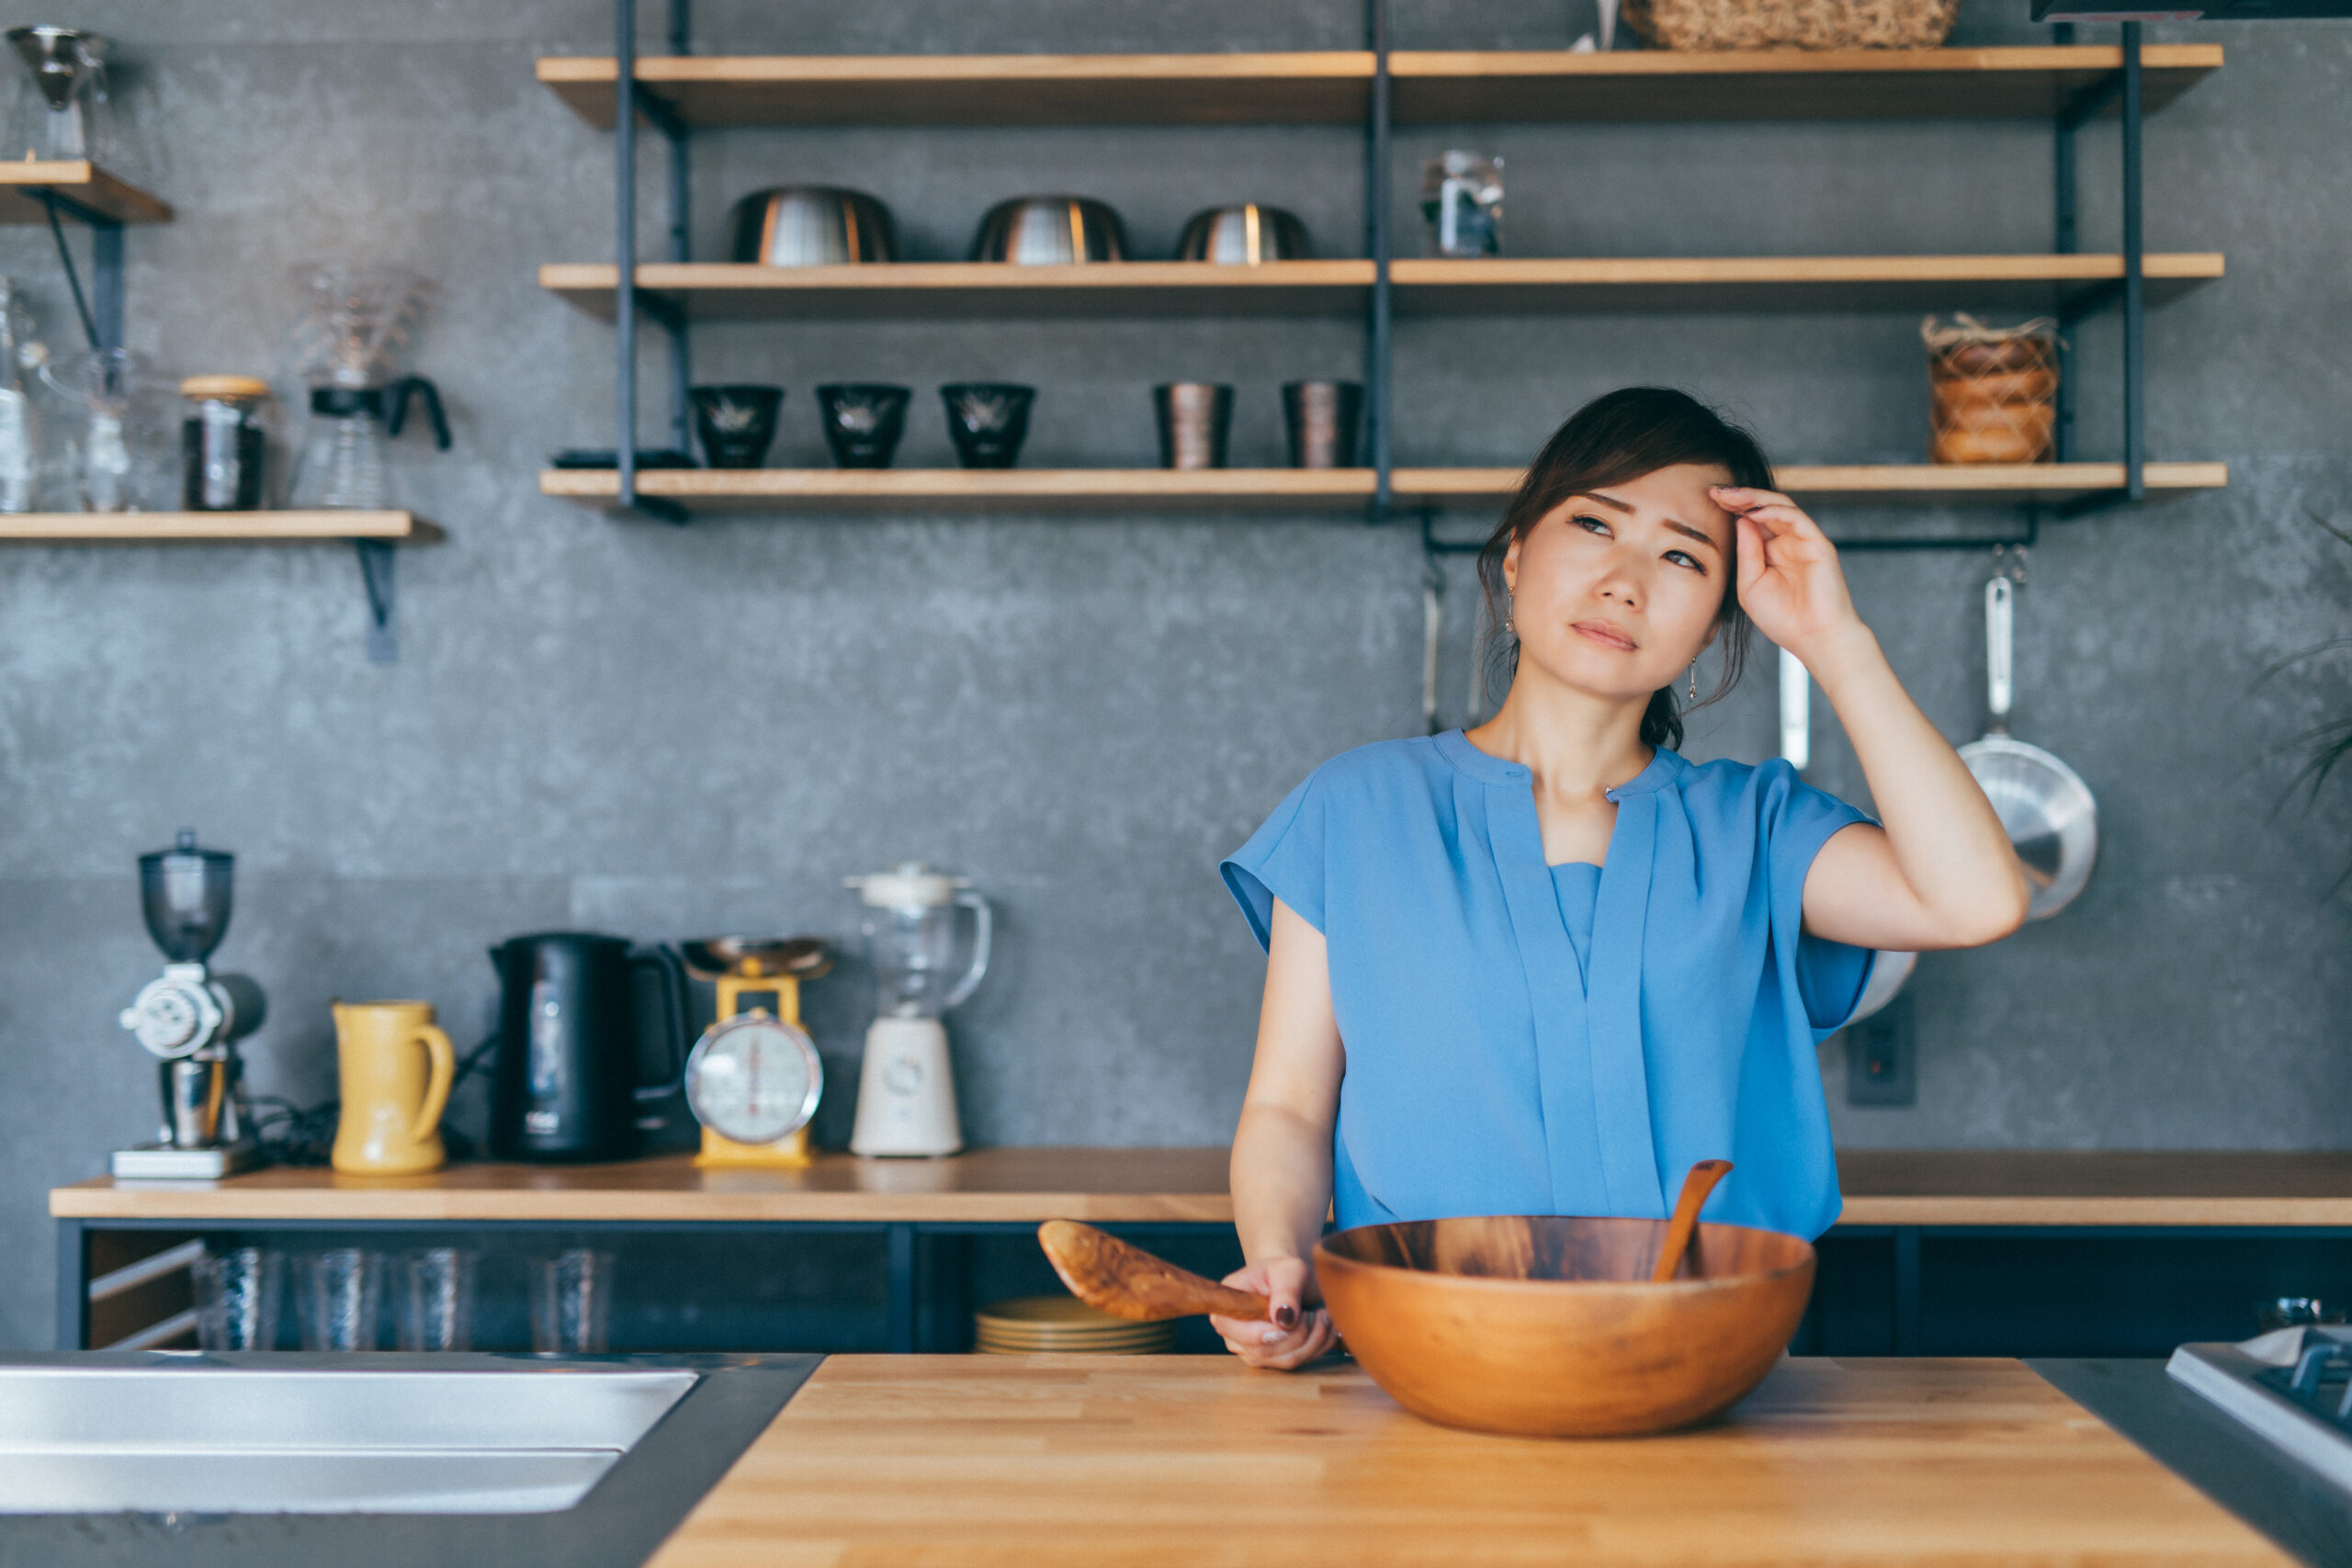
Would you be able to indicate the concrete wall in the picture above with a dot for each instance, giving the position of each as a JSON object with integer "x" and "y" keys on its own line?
{"x": 667, "y": 732}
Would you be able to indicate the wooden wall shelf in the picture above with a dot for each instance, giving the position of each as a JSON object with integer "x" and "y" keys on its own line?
{"x": 978, "y": 288}
{"x": 213, "y": 527}
{"x": 82, "y": 181}
{"x": 1783, "y": 84}
{"x": 924, "y": 289}
{"x": 1333, "y": 87}
{"x": 1112, "y": 490}
{"x": 2040, "y": 283}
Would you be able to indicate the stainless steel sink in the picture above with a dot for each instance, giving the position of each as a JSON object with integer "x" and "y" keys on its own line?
{"x": 247, "y": 1438}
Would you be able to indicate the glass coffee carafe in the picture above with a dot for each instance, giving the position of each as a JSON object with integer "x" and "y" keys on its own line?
{"x": 355, "y": 341}
{"x": 60, "y": 110}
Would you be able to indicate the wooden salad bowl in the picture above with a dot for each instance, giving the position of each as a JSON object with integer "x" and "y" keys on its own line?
{"x": 1553, "y": 1327}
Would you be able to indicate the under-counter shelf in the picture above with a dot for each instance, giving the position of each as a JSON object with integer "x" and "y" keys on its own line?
{"x": 1334, "y": 87}
{"x": 1329, "y": 490}
{"x": 213, "y": 527}
{"x": 2049, "y": 282}
{"x": 76, "y": 180}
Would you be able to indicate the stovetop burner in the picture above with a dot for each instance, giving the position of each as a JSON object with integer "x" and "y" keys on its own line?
{"x": 2292, "y": 1386}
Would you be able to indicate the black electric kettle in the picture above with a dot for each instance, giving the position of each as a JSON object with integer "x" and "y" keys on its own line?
{"x": 564, "y": 1080}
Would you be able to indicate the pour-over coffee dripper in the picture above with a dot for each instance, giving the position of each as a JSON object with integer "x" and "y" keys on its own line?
{"x": 62, "y": 112}
{"x": 354, "y": 344}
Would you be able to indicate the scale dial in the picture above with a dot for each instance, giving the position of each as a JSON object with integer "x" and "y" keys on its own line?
{"x": 755, "y": 1079}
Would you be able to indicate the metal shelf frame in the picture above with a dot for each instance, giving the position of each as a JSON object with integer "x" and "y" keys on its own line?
{"x": 2121, "y": 88}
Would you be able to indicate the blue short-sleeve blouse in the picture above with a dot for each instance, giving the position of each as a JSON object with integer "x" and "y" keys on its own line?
{"x": 1525, "y": 1039}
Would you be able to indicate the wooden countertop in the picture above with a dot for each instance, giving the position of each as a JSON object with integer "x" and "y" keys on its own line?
{"x": 1180, "y": 1460}
{"x": 1883, "y": 1186}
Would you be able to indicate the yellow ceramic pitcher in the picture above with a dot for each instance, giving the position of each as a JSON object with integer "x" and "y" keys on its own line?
{"x": 397, "y": 1069}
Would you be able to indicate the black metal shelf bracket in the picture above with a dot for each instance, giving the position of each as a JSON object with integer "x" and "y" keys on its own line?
{"x": 1379, "y": 243}
{"x": 2122, "y": 87}
{"x": 632, "y": 101}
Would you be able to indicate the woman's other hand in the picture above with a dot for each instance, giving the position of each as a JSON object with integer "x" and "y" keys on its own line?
{"x": 1789, "y": 582}
{"x": 1300, "y": 1330}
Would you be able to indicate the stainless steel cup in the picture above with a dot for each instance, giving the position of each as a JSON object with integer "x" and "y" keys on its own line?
{"x": 1321, "y": 419}
{"x": 1195, "y": 419}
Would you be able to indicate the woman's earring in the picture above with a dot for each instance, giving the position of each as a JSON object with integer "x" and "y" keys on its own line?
{"x": 1507, "y": 621}
{"x": 1694, "y": 679}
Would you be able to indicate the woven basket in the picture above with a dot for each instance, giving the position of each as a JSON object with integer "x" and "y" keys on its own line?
{"x": 1791, "y": 24}
{"x": 1992, "y": 390}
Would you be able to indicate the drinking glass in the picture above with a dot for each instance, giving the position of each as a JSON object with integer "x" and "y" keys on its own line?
{"x": 437, "y": 1298}
{"x": 237, "y": 1295}
{"x": 342, "y": 1296}
{"x": 572, "y": 1301}
{"x": 1461, "y": 202}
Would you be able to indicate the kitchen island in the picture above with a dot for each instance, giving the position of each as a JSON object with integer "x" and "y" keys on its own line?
{"x": 2008, "y": 1252}
{"x": 1193, "y": 1460}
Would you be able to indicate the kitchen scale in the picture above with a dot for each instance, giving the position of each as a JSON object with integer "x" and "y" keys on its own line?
{"x": 754, "y": 1077}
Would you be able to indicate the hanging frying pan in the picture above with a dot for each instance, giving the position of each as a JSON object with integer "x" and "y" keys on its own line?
{"x": 2052, "y": 820}
{"x": 1893, "y": 968}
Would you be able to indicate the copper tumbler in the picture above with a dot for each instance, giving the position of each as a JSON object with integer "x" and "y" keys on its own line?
{"x": 1321, "y": 419}
{"x": 1195, "y": 419}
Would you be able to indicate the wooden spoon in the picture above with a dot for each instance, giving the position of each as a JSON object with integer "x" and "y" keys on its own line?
{"x": 1679, "y": 1230}
{"x": 1126, "y": 1281}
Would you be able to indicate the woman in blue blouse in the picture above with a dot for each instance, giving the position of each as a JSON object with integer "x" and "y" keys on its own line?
{"x": 1542, "y": 966}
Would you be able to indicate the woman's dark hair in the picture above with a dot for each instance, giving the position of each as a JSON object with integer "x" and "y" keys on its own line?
{"x": 1618, "y": 436}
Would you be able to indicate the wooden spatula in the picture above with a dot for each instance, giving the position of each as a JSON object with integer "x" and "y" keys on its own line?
{"x": 1126, "y": 1281}
{"x": 1679, "y": 1230}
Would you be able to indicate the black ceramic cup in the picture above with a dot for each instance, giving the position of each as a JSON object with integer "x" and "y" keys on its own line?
{"x": 863, "y": 423}
{"x": 1195, "y": 419}
{"x": 988, "y": 420}
{"x": 1322, "y": 419}
{"x": 736, "y": 424}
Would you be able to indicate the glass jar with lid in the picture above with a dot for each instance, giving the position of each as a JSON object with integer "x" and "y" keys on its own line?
{"x": 222, "y": 445}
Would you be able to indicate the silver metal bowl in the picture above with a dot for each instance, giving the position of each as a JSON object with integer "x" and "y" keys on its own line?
{"x": 811, "y": 226}
{"x": 1050, "y": 230}
{"x": 1243, "y": 236}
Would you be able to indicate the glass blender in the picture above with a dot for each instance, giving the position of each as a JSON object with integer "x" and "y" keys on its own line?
{"x": 190, "y": 1020}
{"x": 353, "y": 341}
{"x": 906, "y": 1093}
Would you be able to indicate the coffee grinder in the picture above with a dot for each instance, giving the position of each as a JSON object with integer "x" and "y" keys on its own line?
{"x": 190, "y": 1019}
{"x": 754, "y": 1077}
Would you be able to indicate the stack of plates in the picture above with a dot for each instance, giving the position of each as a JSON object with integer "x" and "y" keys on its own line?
{"x": 1027, "y": 1325}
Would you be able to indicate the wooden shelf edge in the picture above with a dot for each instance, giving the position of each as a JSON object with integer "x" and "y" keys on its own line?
{"x": 214, "y": 527}
{"x": 585, "y": 83}
{"x": 2029, "y": 59}
{"x": 785, "y": 487}
{"x": 82, "y": 181}
{"x": 1698, "y": 271}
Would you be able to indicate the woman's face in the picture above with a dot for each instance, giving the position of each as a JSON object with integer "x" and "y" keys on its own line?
{"x": 1616, "y": 590}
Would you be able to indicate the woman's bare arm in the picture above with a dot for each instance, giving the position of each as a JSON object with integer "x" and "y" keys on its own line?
{"x": 1282, "y": 1150}
{"x": 1940, "y": 871}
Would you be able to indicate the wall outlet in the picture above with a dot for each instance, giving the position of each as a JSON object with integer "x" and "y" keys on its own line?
{"x": 1881, "y": 1058}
